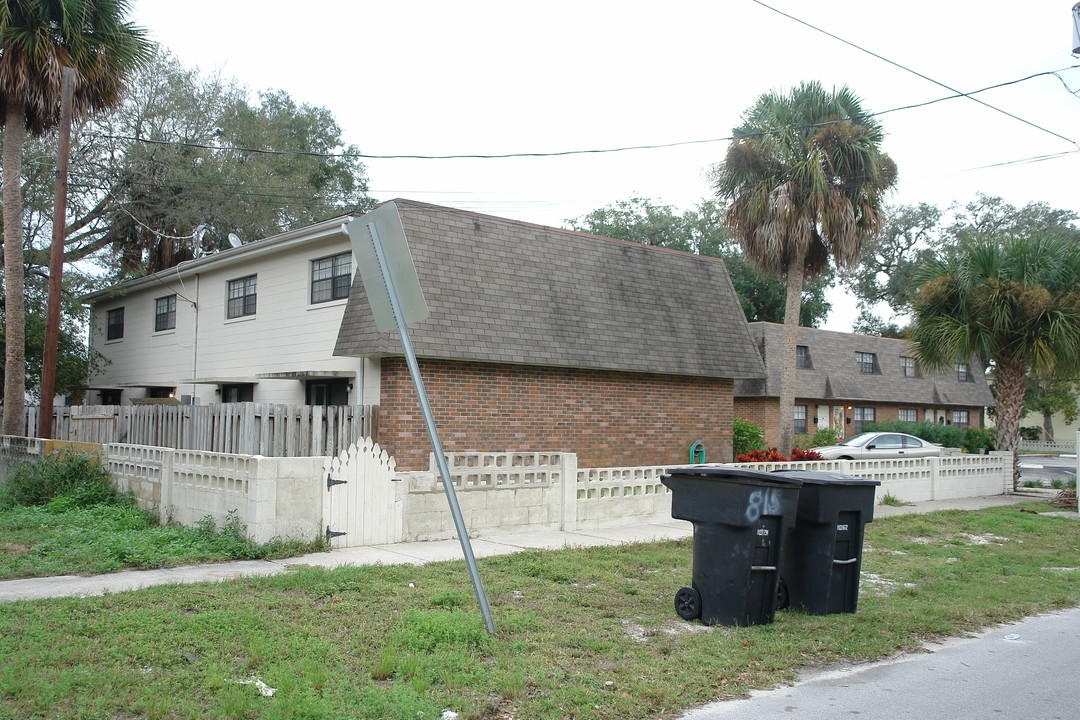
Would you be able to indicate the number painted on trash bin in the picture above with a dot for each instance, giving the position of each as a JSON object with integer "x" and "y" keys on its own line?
{"x": 763, "y": 532}
{"x": 762, "y": 502}
{"x": 841, "y": 527}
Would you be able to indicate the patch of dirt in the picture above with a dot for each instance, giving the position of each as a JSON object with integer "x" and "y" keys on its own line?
{"x": 877, "y": 585}
{"x": 15, "y": 549}
{"x": 987, "y": 539}
{"x": 637, "y": 632}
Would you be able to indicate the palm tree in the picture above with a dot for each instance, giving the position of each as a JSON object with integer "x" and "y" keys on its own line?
{"x": 38, "y": 38}
{"x": 806, "y": 178}
{"x": 1012, "y": 301}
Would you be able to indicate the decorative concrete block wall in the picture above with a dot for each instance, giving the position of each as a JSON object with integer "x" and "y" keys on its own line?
{"x": 273, "y": 497}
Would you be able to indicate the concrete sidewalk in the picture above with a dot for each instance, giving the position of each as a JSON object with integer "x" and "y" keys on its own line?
{"x": 417, "y": 553}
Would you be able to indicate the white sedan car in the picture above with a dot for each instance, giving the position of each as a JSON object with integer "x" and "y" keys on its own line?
{"x": 879, "y": 445}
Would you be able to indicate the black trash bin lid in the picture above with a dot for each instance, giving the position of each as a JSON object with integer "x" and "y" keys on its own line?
{"x": 735, "y": 475}
{"x": 824, "y": 477}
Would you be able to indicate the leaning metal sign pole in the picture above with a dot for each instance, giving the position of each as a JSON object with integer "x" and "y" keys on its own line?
{"x": 395, "y": 267}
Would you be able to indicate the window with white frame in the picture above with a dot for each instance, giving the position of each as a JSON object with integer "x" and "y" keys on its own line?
{"x": 960, "y": 418}
{"x": 963, "y": 372}
{"x": 165, "y": 313}
{"x": 242, "y": 297}
{"x": 907, "y": 366}
{"x": 908, "y": 415}
{"x": 800, "y": 419}
{"x": 867, "y": 362}
{"x": 863, "y": 416}
{"x": 331, "y": 278}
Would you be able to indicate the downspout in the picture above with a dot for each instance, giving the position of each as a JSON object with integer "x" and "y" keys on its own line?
{"x": 195, "y": 337}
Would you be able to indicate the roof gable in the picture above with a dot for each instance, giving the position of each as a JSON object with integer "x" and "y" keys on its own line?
{"x": 504, "y": 291}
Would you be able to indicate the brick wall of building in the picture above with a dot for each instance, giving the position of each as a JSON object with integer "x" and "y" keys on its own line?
{"x": 607, "y": 418}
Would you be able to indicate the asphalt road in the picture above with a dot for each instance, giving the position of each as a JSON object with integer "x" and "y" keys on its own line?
{"x": 1046, "y": 468}
{"x": 1023, "y": 670}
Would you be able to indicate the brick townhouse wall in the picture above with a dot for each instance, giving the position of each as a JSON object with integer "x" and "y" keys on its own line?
{"x": 765, "y": 411}
{"x": 607, "y": 418}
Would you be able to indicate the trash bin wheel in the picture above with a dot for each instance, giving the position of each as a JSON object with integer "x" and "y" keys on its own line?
{"x": 782, "y": 597}
{"x": 688, "y": 603}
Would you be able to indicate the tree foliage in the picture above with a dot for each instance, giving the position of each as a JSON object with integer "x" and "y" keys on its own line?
{"x": 188, "y": 159}
{"x": 38, "y": 40}
{"x": 1011, "y": 299}
{"x": 911, "y": 234}
{"x": 701, "y": 230}
{"x": 806, "y": 178}
{"x": 1047, "y": 397}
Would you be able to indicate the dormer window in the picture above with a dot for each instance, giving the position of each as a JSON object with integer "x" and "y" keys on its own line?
{"x": 867, "y": 362}
{"x": 802, "y": 356}
{"x": 907, "y": 366}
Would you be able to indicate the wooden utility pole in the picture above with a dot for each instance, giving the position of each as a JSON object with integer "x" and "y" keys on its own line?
{"x": 56, "y": 259}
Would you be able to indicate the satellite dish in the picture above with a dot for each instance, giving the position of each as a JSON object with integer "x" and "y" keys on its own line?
{"x": 235, "y": 240}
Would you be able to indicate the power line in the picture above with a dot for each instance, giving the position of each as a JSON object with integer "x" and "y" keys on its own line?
{"x": 654, "y": 146}
{"x": 914, "y": 72}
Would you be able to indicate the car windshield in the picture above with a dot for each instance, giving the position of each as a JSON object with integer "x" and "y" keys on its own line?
{"x": 858, "y": 440}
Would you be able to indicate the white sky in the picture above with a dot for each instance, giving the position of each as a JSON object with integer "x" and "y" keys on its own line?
{"x": 479, "y": 77}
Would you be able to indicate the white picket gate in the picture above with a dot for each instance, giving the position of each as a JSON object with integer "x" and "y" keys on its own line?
{"x": 362, "y": 504}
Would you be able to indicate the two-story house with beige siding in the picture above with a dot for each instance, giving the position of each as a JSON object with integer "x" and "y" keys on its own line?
{"x": 845, "y": 381}
{"x": 252, "y": 323}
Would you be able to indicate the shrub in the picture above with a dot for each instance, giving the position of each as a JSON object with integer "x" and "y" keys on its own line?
{"x": 802, "y": 455}
{"x": 78, "y": 478}
{"x": 937, "y": 433}
{"x": 977, "y": 440}
{"x": 755, "y": 456}
{"x": 826, "y": 436}
{"x": 746, "y": 436}
{"x": 1031, "y": 433}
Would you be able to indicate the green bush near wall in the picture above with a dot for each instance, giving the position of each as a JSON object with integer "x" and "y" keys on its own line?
{"x": 746, "y": 436}
{"x": 77, "y": 478}
{"x": 972, "y": 440}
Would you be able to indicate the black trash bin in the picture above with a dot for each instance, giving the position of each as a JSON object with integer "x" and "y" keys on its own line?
{"x": 739, "y": 517}
{"x": 822, "y": 553}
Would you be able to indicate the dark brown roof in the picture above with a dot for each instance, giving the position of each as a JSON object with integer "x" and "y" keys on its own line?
{"x": 833, "y": 374}
{"x": 505, "y": 291}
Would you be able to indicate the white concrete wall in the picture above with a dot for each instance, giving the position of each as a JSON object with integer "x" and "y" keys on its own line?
{"x": 272, "y": 497}
{"x": 286, "y": 497}
{"x": 918, "y": 479}
{"x": 288, "y": 333}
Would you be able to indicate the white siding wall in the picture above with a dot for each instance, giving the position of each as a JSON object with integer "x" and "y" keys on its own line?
{"x": 287, "y": 334}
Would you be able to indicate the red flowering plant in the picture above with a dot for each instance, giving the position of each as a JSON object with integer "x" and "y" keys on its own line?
{"x": 756, "y": 456}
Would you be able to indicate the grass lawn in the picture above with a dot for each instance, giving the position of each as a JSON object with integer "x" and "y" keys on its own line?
{"x": 582, "y": 633}
{"x": 62, "y": 539}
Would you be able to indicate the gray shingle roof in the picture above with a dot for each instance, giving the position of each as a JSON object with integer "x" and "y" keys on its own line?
{"x": 505, "y": 291}
{"x": 834, "y": 375}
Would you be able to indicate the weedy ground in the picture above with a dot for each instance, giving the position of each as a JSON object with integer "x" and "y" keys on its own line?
{"x": 582, "y": 633}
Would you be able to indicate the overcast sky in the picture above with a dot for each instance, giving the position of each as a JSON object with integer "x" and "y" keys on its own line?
{"x": 439, "y": 78}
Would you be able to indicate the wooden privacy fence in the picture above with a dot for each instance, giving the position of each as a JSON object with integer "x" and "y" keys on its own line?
{"x": 243, "y": 428}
